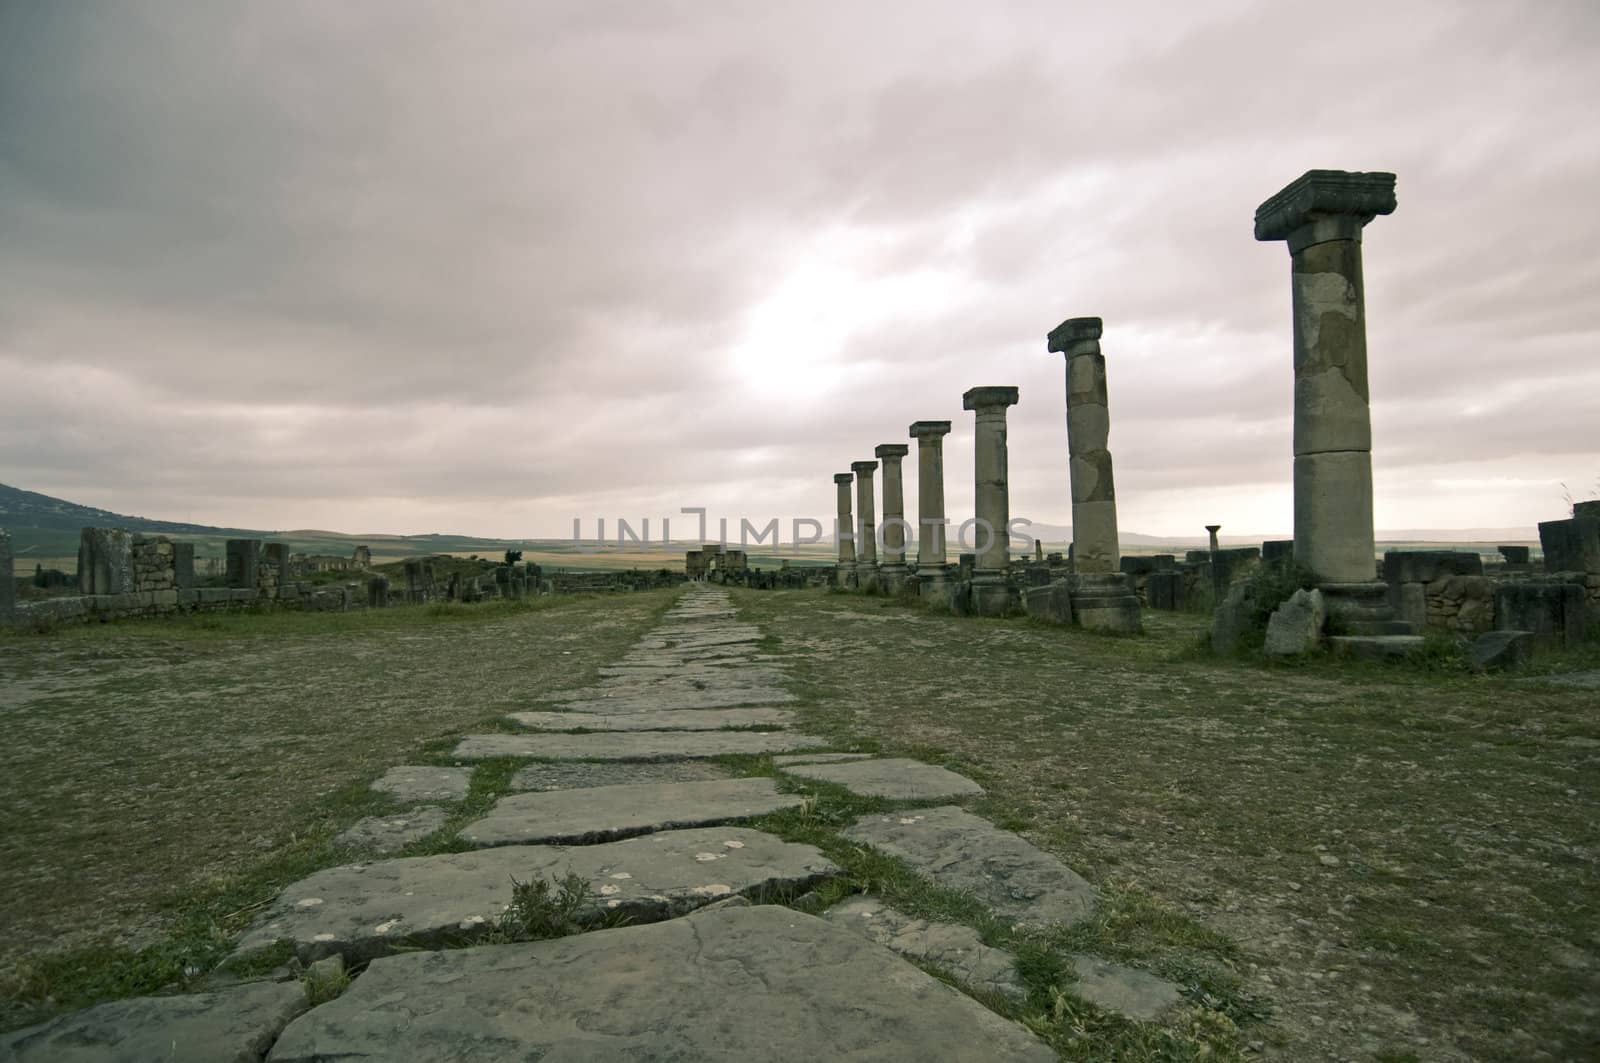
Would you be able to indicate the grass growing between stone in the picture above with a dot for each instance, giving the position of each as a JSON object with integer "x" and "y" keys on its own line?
{"x": 164, "y": 781}
{"x": 1341, "y": 859}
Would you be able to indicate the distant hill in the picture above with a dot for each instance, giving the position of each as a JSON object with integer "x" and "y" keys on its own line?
{"x": 29, "y": 509}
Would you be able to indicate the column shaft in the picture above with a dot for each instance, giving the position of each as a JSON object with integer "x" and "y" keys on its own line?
{"x": 844, "y": 527}
{"x": 894, "y": 508}
{"x": 1095, "y": 546}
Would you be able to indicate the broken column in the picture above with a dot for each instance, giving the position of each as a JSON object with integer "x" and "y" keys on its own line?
{"x": 844, "y": 530}
{"x": 1094, "y": 497}
{"x": 866, "y": 526}
{"x": 991, "y": 596}
{"x": 933, "y": 570}
{"x": 894, "y": 568}
{"x": 1321, "y": 216}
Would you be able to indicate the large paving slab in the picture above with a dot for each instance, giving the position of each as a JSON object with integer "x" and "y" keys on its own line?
{"x": 366, "y": 910}
{"x": 671, "y": 720}
{"x": 635, "y": 745}
{"x": 424, "y": 782}
{"x": 958, "y": 949}
{"x": 389, "y": 834}
{"x": 605, "y": 813}
{"x": 718, "y": 697}
{"x": 785, "y": 759}
{"x": 729, "y": 986}
{"x": 896, "y": 778}
{"x": 577, "y": 774}
{"x": 228, "y": 1026}
{"x": 955, "y": 849}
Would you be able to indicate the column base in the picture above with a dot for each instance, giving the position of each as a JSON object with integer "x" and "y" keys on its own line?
{"x": 867, "y": 576}
{"x": 845, "y": 575}
{"x": 892, "y": 577}
{"x": 1105, "y": 601}
{"x": 991, "y": 594}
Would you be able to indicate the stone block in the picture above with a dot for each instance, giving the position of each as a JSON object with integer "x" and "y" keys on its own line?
{"x": 1234, "y": 562}
{"x": 1410, "y": 603}
{"x": 1166, "y": 591}
{"x": 183, "y": 565}
{"x": 244, "y": 558}
{"x": 1295, "y": 627}
{"x": 105, "y": 561}
{"x": 8, "y": 582}
{"x": 1516, "y": 555}
{"x": 1052, "y": 602}
{"x": 378, "y": 592}
{"x": 991, "y": 596}
{"x": 1571, "y": 545}
{"x": 1555, "y": 613}
{"x": 1277, "y": 553}
{"x": 1589, "y": 509}
{"x": 1105, "y": 601}
{"x": 1426, "y": 566}
{"x": 1496, "y": 651}
{"x": 1232, "y": 618}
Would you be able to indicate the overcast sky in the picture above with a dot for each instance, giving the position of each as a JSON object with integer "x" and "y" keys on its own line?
{"x": 485, "y": 268}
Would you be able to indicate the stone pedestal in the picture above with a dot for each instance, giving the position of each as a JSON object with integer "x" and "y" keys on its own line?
{"x": 1094, "y": 496}
{"x": 933, "y": 567}
{"x": 378, "y": 592}
{"x": 1105, "y": 601}
{"x": 1321, "y": 217}
{"x": 866, "y": 526}
{"x": 845, "y": 531}
{"x": 893, "y": 570}
{"x": 990, "y": 594}
{"x": 105, "y": 561}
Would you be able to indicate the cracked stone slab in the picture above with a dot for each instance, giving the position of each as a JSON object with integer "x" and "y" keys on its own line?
{"x": 364, "y": 910}
{"x": 785, "y": 759}
{"x": 670, "y": 720}
{"x": 424, "y": 782}
{"x": 634, "y": 745}
{"x": 957, "y": 850}
{"x": 605, "y": 813}
{"x": 728, "y": 986}
{"x": 388, "y": 834}
{"x": 958, "y": 949}
{"x": 579, "y": 774}
{"x": 897, "y": 778}
{"x": 233, "y": 1025}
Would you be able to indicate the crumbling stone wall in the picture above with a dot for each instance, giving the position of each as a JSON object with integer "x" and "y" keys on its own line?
{"x": 1442, "y": 589}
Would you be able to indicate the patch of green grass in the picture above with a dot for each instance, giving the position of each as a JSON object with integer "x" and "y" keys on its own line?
{"x": 325, "y": 983}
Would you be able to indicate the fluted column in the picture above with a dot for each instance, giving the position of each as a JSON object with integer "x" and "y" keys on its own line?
{"x": 992, "y": 500}
{"x": 932, "y": 566}
{"x": 844, "y": 529}
{"x": 1094, "y": 496}
{"x": 893, "y": 570}
{"x": 1321, "y": 216}
{"x": 866, "y": 526}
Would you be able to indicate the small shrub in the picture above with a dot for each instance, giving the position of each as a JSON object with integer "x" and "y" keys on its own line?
{"x": 543, "y": 908}
{"x": 325, "y": 984}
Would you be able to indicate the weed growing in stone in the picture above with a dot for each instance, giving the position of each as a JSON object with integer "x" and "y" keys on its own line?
{"x": 546, "y": 908}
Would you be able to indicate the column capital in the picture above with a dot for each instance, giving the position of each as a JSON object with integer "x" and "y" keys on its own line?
{"x": 890, "y": 451}
{"x": 1324, "y": 205}
{"x": 863, "y": 468}
{"x": 989, "y": 398}
{"x": 844, "y": 477}
{"x": 1075, "y": 335}
{"x": 929, "y": 429}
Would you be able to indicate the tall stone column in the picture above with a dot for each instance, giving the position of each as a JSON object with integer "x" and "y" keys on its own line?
{"x": 866, "y": 526}
{"x": 992, "y": 498}
{"x": 1321, "y": 216}
{"x": 845, "y": 530}
{"x": 933, "y": 569}
{"x": 1094, "y": 497}
{"x": 8, "y": 582}
{"x": 893, "y": 569}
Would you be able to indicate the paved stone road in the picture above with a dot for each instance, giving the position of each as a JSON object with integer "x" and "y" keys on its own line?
{"x": 617, "y": 793}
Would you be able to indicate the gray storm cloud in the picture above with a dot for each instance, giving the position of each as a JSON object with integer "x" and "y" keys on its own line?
{"x": 409, "y": 267}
